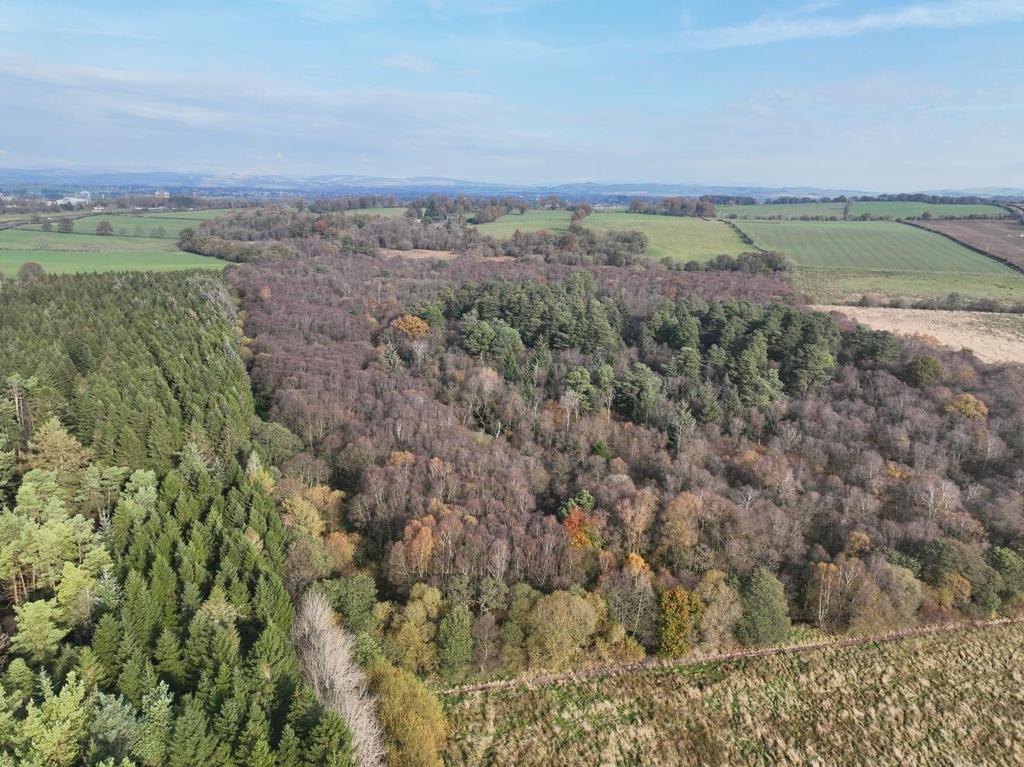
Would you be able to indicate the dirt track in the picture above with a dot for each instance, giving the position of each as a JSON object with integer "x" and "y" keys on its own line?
{"x": 696, "y": 658}
{"x": 993, "y": 337}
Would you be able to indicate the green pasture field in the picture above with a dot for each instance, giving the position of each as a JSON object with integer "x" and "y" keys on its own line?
{"x": 194, "y": 215}
{"x": 676, "y": 237}
{"x": 796, "y": 210}
{"x": 835, "y": 209}
{"x": 679, "y": 238}
{"x": 868, "y": 246}
{"x": 128, "y": 225}
{"x": 66, "y": 253}
{"x": 385, "y": 212}
{"x": 915, "y": 209}
{"x": 530, "y": 221}
{"x": 839, "y": 286}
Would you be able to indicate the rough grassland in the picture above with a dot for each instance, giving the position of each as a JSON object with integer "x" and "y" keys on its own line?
{"x": 836, "y": 286}
{"x": 868, "y": 245}
{"x": 943, "y": 699}
{"x": 675, "y": 237}
{"x": 66, "y": 253}
{"x": 991, "y": 336}
{"x": 830, "y": 209}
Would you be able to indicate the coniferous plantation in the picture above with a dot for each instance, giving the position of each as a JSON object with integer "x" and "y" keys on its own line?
{"x": 143, "y": 556}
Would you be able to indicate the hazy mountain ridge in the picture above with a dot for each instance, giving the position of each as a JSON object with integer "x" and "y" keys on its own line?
{"x": 50, "y": 178}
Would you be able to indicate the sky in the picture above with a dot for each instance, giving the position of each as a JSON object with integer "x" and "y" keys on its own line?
{"x": 873, "y": 95}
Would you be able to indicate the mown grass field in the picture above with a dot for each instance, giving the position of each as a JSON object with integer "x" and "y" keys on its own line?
{"x": 951, "y": 698}
{"x": 830, "y": 209}
{"x": 386, "y": 212}
{"x": 65, "y": 253}
{"x": 193, "y": 215}
{"x": 530, "y": 221}
{"x": 869, "y": 245}
{"x": 915, "y": 209}
{"x": 683, "y": 239}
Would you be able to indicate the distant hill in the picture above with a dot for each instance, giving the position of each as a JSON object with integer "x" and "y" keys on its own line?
{"x": 38, "y": 180}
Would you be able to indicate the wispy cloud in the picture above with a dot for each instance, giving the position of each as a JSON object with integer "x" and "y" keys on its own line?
{"x": 409, "y": 62}
{"x": 809, "y": 25}
{"x": 488, "y": 7}
{"x": 354, "y": 11}
{"x": 334, "y": 11}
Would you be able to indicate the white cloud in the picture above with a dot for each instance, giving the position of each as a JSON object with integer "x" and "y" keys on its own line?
{"x": 781, "y": 28}
{"x": 410, "y": 63}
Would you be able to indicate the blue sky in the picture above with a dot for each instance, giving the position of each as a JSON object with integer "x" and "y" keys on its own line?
{"x": 877, "y": 95}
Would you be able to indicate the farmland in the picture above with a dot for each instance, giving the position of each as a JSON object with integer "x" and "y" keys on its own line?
{"x": 875, "y": 209}
{"x": 153, "y": 227}
{"x": 386, "y": 212}
{"x": 868, "y": 245}
{"x": 675, "y": 237}
{"x": 945, "y": 698}
{"x": 795, "y": 210}
{"x": 837, "y": 286}
{"x": 81, "y": 252}
{"x": 530, "y": 221}
{"x": 915, "y": 209}
{"x": 1003, "y": 239}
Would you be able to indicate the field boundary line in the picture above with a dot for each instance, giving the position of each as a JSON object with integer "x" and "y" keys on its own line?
{"x": 697, "y": 659}
{"x": 917, "y": 225}
{"x": 745, "y": 237}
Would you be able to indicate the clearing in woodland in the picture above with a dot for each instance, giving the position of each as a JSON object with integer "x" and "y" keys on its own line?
{"x": 991, "y": 336}
{"x": 945, "y": 698}
{"x": 679, "y": 238}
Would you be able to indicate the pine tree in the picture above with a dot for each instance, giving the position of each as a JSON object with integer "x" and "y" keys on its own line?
{"x": 765, "y": 618}
{"x": 455, "y": 640}
{"x": 330, "y": 744}
{"x": 289, "y": 749}
{"x": 40, "y": 628}
{"x": 54, "y": 732}
{"x": 170, "y": 662}
{"x": 106, "y": 638}
{"x": 157, "y": 723}
{"x": 193, "y": 744}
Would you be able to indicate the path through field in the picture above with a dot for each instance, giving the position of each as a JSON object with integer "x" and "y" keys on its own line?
{"x": 993, "y": 337}
{"x": 703, "y": 659}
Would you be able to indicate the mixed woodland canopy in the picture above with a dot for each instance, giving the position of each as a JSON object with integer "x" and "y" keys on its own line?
{"x": 251, "y": 519}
